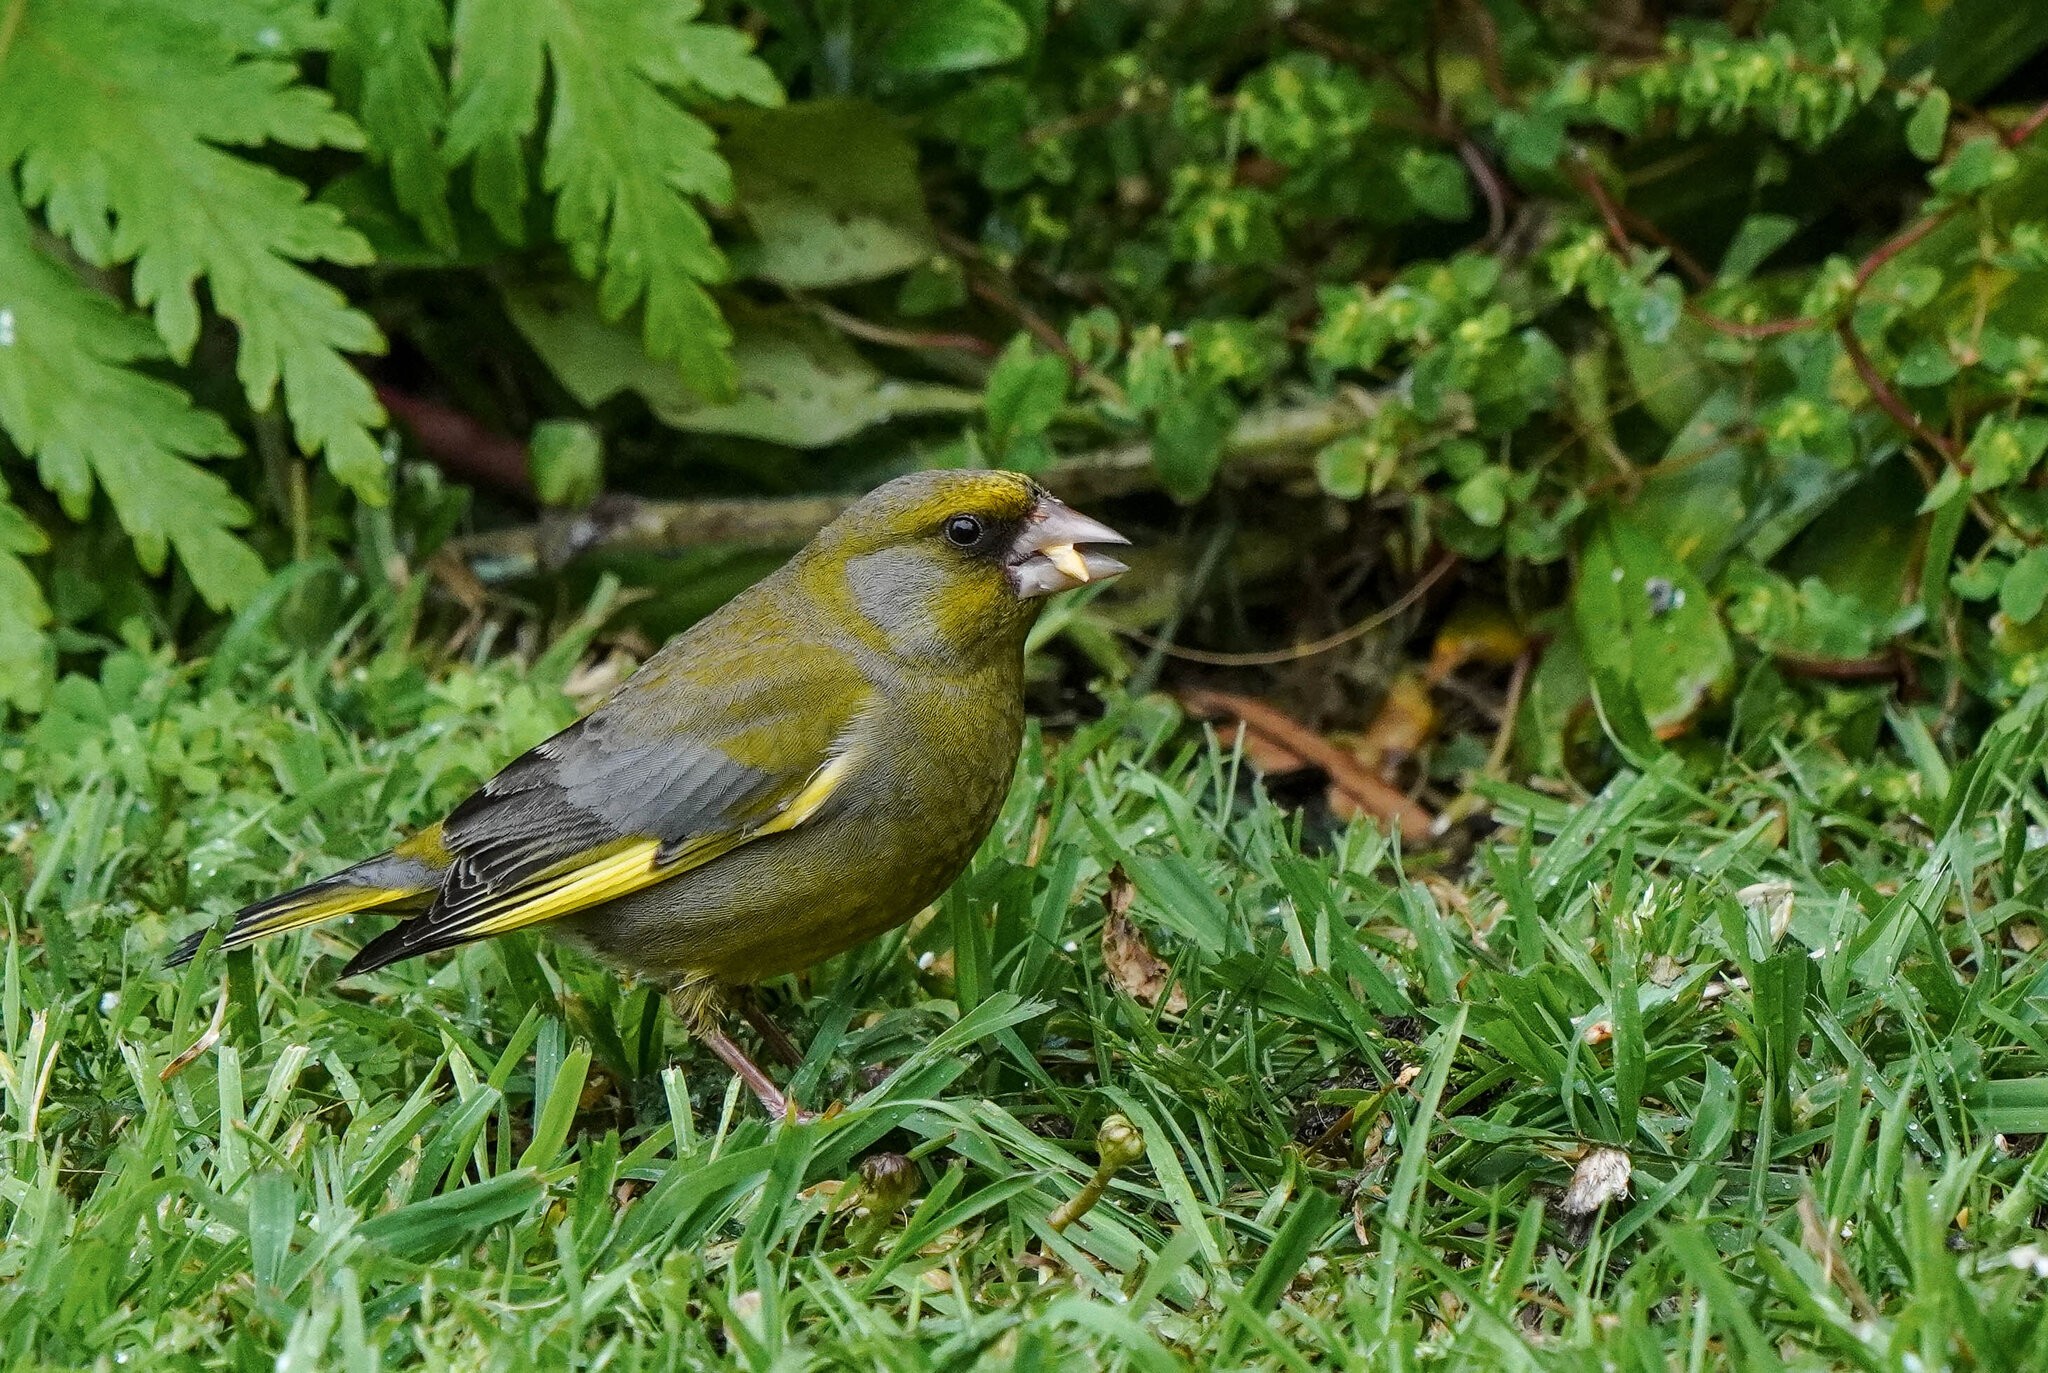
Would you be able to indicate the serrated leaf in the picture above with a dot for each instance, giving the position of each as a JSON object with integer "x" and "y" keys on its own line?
{"x": 932, "y": 37}
{"x": 625, "y": 162}
{"x": 830, "y": 190}
{"x": 117, "y": 112}
{"x": 70, "y": 401}
{"x": 387, "y": 71}
{"x": 27, "y": 658}
{"x": 801, "y": 383}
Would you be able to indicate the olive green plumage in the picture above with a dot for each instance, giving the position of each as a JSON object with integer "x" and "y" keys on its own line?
{"x": 806, "y": 767}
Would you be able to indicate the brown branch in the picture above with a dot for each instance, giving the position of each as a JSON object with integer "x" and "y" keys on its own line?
{"x": 1266, "y": 445}
{"x": 1883, "y": 668}
{"x": 461, "y": 445}
{"x": 2028, "y": 127}
{"x": 1898, "y": 243}
{"x": 1889, "y": 400}
{"x": 1680, "y": 258}
{"x": 1491, "y": 186}
{"x": 1490, "y": 64}
{"x": 1770, "y": 328}
{"x": 1033, "y": 323}
{"x": 1587, "y": 180}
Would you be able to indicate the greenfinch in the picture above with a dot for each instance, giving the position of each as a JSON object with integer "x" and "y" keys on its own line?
{"x": 806, "y": 767}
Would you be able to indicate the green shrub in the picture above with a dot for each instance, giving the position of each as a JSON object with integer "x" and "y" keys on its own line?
{"x": 1716, "y": 345}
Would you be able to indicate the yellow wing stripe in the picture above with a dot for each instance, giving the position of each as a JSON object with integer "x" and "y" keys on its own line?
{"x": 807, "y": 802}
{"x": 344, "y": 902}
{"x": 629, "y": 869}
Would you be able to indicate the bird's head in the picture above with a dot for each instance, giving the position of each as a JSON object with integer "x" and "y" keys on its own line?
{"x": 955, "y": 565}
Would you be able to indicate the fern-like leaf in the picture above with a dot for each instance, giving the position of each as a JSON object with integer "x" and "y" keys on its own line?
{"x": 71, "y": 400}
{"x": 624, "y": 160}
{"x": 387, "y": 71}
{"x": 119, "y": 115}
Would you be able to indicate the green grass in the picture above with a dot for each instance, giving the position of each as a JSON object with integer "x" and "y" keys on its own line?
{"x": 1816, "y": 1031}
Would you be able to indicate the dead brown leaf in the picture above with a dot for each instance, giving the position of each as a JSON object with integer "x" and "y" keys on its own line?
{"x": 1358, "y": 790}
{"x": 1128, "y": 960}
{"x": 1405, "y": 722}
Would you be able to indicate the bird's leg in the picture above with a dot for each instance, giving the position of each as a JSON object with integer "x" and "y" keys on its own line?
{"x": 746, "y": 1070}
{"x": 699, "y": 1004}
{"x": 773, "y": 1037}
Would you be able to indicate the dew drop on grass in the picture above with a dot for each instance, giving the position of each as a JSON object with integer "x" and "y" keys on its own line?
{"x": 6, "y": 328}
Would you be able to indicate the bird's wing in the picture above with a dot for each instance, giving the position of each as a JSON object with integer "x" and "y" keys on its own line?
{"x": 613, "y": 804}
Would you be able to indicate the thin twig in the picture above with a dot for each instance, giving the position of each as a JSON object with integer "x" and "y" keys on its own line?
{"x": 1273, "y": 657}
{"x": 891, "y": 337}
{"x": 1039, "y": 328}
{"x": 1890, "y": 401}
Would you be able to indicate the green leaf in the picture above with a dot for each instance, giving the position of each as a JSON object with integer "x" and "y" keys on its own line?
{"x": 117, "y": 114}
{"x": 1644, "y": 618}
{"x": 801, "y": 383}
{"x": 1981, "y": 162}
{"x": 1755, "y": 240}
{"x": 436, "y": 1225}
{"x": 2025, "y": 588}
{"x": 624, "y": 161}
{"x": 70, "y": 400}
{"x": 567, "y": 459}
{"x": 387, "y": 72}
{"x": 27, "y": 657}
{"x": 1343, "y": 468}
{"x": 931, "y": 37}
{"x": 1188, "y": 438}
{"x": 1437, "y": 183}
{"x": 1483, "y": 496}
{"x": 830, "y": 190}
{"x": 1928, "y": 128}
{"x": 1025, "y": 392}
{"x": 2004, "y": 450}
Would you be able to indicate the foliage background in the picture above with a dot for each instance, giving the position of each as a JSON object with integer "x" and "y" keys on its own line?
{"x": 1673, "y": 370}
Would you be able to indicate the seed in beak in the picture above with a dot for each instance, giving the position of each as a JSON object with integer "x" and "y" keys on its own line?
{"x": 1067, "y": 559}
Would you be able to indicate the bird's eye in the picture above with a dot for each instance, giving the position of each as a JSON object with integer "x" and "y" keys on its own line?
{"x": 963, "y": 531}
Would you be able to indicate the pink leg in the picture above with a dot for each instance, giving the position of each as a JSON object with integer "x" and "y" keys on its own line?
{"x": 773, "y": 1037}
{"x": 746, "y": 1070}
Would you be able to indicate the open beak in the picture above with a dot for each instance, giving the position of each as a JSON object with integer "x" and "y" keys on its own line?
{"x": 1054, "y": 553}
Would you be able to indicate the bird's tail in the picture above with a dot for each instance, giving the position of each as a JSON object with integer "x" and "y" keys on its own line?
{"x": 402, "y": 880}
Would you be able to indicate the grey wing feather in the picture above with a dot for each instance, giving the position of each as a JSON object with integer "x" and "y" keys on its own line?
{"x": 582, "y": 789}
